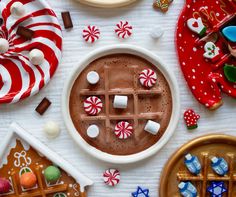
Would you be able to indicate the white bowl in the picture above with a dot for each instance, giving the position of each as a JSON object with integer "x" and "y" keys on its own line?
{"x": 128, "y": 49}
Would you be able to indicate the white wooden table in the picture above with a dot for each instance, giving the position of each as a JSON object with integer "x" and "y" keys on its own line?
{"x": 143, "y": 18}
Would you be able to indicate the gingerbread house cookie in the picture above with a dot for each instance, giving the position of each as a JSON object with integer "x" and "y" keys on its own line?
{"x": 28, "y": 169}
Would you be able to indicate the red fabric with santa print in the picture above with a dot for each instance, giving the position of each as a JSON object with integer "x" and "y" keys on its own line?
{"x": 204, "y": 76}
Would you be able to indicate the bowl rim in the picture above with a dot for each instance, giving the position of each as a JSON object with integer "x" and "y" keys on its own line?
{"x": 107, "y": 3}
{"x": 125, "y": 49}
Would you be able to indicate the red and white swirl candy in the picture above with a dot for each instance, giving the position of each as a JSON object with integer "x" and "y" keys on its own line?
{"x": 111, "y": 177}
{"x": 148, "y": 78}
{"x": 123, "y": 130}
{"x": 19, "y": 78}
{"x": 93, "y": 105}
{"x": 91, "y": 34}
{"x": 123, "y": 29}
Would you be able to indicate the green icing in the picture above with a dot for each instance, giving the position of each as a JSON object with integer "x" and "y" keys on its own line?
{"x": 60, "y": 195}
{"x": 52, "y": 173}
{"x": 25, "y": 170}
{"x": 203, "y": 31}
{"x": 230, "y": 73}
{"x": 192, "y": 127}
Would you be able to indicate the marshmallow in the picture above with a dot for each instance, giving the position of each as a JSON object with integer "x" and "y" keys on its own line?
{"x": 4, "y": 45}
{"x": 93, "y": 77}
{"x": 93, "y": 131}
{"x": 156, "y": 32}
{"x": 36, "y": 57}
{"x": 152, "y": 127}
{"x": 17, "y": 9}
{"x": 120, "y": 102}
{"x": 52, "y": 129}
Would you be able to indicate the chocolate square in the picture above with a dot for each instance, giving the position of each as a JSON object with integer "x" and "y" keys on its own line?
{"x": 25, "y": 32}
{"x": 43, "y": 106}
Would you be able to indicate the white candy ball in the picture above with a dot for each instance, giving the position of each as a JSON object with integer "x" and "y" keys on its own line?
{"x": 157, "y": 32}
{"x": 4, "y": 45}
{"x": 36, "y": 57}
{"x": 52, "y": 129}
{"x": 93, "y": 131}
{"x": 93, "y": 77}
{"x": 17, "y": 9}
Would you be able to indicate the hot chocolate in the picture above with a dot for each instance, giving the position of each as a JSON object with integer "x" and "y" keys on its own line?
{"x": 140, "y": 106}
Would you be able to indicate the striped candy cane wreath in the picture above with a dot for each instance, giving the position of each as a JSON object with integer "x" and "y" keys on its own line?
{"x": 19, "y": 78}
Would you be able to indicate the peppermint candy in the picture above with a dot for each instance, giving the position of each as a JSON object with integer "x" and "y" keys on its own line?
{"x": 123, "y": 130}
{"x": 91, "y": 34}
{"x": 148, "y": 78}
{"x": 111, "y": 177}
{"x": 123, "y": 29}
{"x": 93, "y": 105}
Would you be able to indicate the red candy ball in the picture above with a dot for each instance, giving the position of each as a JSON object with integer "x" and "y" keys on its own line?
{"x": 5, "y": 186}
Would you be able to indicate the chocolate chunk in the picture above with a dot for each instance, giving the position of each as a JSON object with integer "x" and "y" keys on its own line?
{"x": 67, "y": 20}
{"x": 25, "y": 32}
{"x": 43, "y": 106}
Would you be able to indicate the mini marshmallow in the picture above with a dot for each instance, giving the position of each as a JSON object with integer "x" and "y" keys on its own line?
{"x": 152, "y": 127}
{"x": 52, "y": 129}
{"x": 93, "y": 131}
{"x": 17, "y": 9}
{"x": 156, "y": 32}
{"x": 36, "y": 57}
{"x": 93, "y": 77}
{"x": 4, "y": 45}
{"x": 120, "y": 102}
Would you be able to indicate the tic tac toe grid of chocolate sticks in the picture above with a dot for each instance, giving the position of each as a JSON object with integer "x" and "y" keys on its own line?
{"x": 216, "y": 29}
{"x": 41, "y": 190}
{"x": 135, "y": 92}
{"x": 206, "y": 176}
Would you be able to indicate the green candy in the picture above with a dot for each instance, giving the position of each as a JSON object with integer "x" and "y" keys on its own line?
{"x": 52, "y": 174}
{"x": 230, "y": 73}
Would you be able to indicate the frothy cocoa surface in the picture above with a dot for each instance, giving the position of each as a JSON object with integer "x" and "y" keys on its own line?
{"x": 119, "y": 75}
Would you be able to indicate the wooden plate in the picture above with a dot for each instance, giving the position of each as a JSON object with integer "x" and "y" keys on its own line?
{"x": 204, "y": 148}
{"x": 107, "y": 3}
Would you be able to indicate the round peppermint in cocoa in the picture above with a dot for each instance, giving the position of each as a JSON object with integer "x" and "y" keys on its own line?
{"x": 148, "y": 78}
{"x": 123, "y": 130}
{"x": 93, "y": 105}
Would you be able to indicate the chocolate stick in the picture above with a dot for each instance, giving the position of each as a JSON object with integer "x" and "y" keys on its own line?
{"x": 67, "y": 20}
